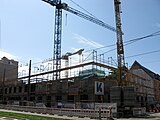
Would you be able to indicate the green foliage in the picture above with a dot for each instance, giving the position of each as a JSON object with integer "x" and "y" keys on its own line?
{"x": 26, "y": 116}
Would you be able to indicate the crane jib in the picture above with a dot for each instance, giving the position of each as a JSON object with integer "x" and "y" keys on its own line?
{"x": 90, "y": 18}
{"x": 80, "y": 14}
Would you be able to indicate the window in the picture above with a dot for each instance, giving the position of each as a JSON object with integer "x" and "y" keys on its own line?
{"x": 33, "y": 87}
{"x": 1, "y": 91}
{"x": 25, "y": 88}
{"x": 20, "y": 89}
{"x": 25, "y": 98}
{"x": 39, "y": 98}
{"x": 59, "y": 98}
{"x": 10, "y": 90}
{"x": 15, "y": 89}
{"x": 48, "y": 98}
{"x": 84, "y": 97}
{"x": 32, "y": 98}
{"x": 70, "y": 98}
{"x": 5, "y": 90}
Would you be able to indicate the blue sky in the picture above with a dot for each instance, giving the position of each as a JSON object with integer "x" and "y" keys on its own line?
{"x": 27, "y": 29}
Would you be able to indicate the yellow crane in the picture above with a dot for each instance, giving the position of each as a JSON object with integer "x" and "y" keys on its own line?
{"x": 120, "y": 49}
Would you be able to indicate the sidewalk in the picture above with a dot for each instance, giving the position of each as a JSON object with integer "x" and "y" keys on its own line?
{"x": 153, "y": 116}
{"x": 47, "y": 115}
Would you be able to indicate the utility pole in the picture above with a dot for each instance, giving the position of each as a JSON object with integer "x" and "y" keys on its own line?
{"x": 0, "y": 34}
{"x": 29, "y": 79}
{"x": 4, "y": 75}
{"x": 0, "y": 37}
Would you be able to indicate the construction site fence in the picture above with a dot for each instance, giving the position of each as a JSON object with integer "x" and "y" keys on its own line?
{"x": 61, "y": 111}
{"x": 139, "y": 111}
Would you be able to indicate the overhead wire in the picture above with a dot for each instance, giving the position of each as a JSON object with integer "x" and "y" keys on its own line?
{"x": 94, "y": 17}
{"x": 112, "y": 45}
{"x": 83, "y": 9}
{"x": 141, "y": 38}
{"x": 130, "y": 42}
{"x": 127, "y": 42}
{"x": 154, "y": 61}
{"x": 138, "y": 39}
{"x": 143, "y": 54}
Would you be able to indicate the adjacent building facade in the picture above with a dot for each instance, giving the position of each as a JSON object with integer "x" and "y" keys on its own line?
{"x": 8, "y": 71}
{"x": 146, "y": 82}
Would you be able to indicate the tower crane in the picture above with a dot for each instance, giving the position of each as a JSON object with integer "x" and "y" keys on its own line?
{"x": 120, "y": 49}
{"x": 58, "y": 30}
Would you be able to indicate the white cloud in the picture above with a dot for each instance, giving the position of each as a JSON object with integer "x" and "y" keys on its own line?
{"x": 87, "y": 42}
{"x": 7, "y": 55}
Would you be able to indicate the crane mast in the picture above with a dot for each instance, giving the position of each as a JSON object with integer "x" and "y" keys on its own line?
{"x": 120, "y": 49}
{"x": 57, "y": 40}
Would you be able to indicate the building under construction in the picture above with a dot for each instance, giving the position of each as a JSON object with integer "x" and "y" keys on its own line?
{"x": 81, "y": 84}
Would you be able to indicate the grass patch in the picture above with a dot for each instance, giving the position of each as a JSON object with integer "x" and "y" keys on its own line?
{"x": 26, "y": 116}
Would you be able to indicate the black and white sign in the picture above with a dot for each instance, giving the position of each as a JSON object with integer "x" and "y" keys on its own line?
{"x": 99, "y": 88}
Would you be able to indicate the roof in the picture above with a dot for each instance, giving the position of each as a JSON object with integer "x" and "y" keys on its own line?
{"x": 149, "y": 72}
